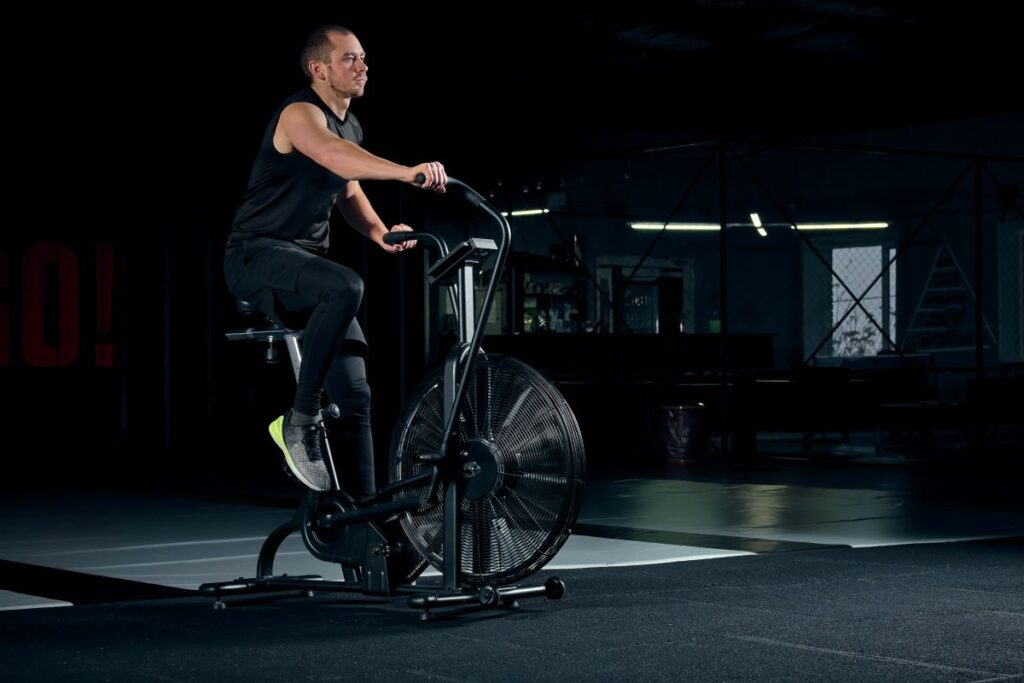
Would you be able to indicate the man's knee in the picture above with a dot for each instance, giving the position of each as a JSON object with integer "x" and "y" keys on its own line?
{"x": 344, "y": 286}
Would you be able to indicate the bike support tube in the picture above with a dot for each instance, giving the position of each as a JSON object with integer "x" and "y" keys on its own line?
{"x": 466, "y": 286}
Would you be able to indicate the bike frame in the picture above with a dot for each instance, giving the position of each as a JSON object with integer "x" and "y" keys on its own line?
{"x": 452, "y": 269}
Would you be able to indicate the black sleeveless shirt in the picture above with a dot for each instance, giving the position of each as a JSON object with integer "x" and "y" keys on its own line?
{"x": 290, "y": 196}
{"x": 283, "y": 219}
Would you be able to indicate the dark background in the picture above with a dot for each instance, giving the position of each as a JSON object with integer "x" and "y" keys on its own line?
{"x": 141, "y": 137}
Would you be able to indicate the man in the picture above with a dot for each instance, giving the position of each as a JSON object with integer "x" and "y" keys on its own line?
{"x": 310, "y": 160}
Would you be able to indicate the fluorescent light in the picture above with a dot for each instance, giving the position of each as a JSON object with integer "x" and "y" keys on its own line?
{"x": 525, "y": 212}
{"x": 757, "y": 224}
{"x": 703, "y": 227}
{"x": 840, "y": 226}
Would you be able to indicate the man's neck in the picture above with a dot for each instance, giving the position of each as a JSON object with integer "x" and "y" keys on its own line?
{"x": 339, "y": 105}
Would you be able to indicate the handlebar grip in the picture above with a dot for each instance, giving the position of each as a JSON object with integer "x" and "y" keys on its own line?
{"x": 399, "y": 237}
{"x": 470, "y": 195}
{"x": 426, "y": 237}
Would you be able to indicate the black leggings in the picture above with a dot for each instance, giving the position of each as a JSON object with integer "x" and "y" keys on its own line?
{"x": 333, "y": 292}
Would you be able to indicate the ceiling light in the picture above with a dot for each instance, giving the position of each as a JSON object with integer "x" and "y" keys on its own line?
{"x": 840, "y": 226}
{"x": 700, "y": 227}
{"x": 757, "y": 224}
{"x": 525, "y": 212}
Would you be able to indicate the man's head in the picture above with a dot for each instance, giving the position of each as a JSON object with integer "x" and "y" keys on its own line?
{"x": 333, "y": 57}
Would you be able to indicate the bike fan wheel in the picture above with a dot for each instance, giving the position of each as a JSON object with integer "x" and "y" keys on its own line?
{"x": 521, "y": 444}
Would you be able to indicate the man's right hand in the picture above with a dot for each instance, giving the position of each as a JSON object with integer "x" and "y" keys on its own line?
{"x": 433, "y": 172}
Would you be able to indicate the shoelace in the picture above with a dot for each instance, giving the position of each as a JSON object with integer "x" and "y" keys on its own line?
{"x": 311, "y": 441}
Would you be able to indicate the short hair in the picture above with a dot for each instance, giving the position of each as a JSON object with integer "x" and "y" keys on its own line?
{"x": 318, "y": 46}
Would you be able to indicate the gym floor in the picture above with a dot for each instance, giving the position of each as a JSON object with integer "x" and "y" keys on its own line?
{"x": 840, "y": 569}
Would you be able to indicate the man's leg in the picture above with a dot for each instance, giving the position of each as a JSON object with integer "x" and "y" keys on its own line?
{"x": 348, "y": 389}
{"x": 333, "y": 293}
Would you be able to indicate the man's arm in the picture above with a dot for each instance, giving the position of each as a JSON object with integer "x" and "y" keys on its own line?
{"x": 356, "y": 209}
{"x": 303, "y": 127}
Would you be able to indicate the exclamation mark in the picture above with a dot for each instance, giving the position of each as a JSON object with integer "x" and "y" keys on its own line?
{"x": 104, "y": 304}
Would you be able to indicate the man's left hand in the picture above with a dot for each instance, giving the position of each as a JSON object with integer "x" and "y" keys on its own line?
{"x": 395, "y": 248}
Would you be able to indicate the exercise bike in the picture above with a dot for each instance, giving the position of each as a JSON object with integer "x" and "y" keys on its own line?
{"x": 486, "y": 469}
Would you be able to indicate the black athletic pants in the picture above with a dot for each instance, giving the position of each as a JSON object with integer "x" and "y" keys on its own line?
{"x": 331, "y": 293}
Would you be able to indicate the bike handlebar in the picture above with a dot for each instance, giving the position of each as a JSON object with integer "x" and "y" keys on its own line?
{"x": 476, "y": 200}
{"x": 393, "y": 238}
{"x": 470, "y": 195}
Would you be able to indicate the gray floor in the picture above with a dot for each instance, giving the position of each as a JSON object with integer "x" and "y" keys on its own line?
{"x": 776, "y": 570}
{"x": 675, "y": 514}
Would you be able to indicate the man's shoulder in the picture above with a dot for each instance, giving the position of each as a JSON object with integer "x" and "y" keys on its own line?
{"x": 300, "y": 106}
{"x": 287, "y": 103}
{"x": 300, "y": 97}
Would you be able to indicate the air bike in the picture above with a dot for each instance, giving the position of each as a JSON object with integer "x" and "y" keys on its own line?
{"x": 486, "y": 468}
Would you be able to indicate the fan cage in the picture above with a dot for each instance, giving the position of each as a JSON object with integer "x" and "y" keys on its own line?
{"x": 528, "y": 426}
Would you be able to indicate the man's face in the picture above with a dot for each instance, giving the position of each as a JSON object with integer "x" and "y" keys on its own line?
{"x": 346, "y": 72}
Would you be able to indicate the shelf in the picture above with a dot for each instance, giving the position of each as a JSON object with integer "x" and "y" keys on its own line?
{"x": 545, "y": 312}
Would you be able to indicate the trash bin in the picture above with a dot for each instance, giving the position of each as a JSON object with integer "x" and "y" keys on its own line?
{"x": 683, "y": 435}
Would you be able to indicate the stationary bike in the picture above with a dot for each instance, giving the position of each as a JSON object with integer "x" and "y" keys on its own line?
{"x": 486, "y": 469}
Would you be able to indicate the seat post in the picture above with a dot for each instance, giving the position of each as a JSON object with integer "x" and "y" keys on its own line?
{"x": 270, "y": 331}
{"x": 291, "y": 340}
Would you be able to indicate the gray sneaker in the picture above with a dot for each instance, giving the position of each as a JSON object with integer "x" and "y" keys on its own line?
{"x": 303, "y": 450}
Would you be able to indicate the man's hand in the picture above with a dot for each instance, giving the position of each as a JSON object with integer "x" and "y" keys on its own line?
{"x": 433, "y": 171}
{"x": 395, "y": 248}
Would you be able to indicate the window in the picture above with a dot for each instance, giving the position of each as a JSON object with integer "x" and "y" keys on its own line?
{"x": 857, "y": 335}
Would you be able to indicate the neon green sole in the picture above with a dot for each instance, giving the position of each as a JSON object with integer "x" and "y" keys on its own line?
{"x": 277, "y": 434}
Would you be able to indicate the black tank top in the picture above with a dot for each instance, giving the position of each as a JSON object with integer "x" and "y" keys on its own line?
{"x": 290, "y": 196}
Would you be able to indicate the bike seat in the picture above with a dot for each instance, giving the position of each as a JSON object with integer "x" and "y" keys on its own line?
{"x": 247, "y": 309}
{"x": 257, "y": 324}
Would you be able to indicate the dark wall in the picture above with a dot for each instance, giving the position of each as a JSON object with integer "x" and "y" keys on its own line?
{"x": 147, "y": 155}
